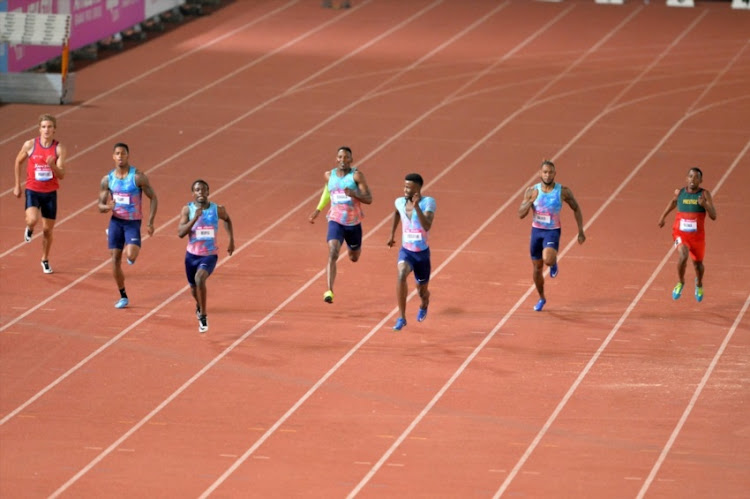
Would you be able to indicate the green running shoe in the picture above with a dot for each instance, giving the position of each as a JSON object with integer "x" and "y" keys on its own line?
{"x": 677, "y": 291}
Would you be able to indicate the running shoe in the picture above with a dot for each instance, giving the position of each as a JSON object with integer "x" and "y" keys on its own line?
{"x": 400, "y": 323}
{"x": 202, "y": 324}
{"x": 121, "y": 303}
{"x": 328, "y": 296}
{"x": 539, "y": 305}
{"x": 130, "y": 262}
{"x": 698, "y": 292}
{"x": 27, "y": 233}
{"x": 422, "y": 314}
{"x": 553, "y": 271}
{"x": 45, "y": 267}
{"x": 677, "y": 291}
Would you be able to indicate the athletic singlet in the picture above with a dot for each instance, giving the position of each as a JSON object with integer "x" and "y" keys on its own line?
{"x": 126, "y": 194}
{"x": 413, "y": 235}
{"x": 344, "y": 209}
{"x": 39, "y": 175}
{"x": 690, "y": 215}
{"x": 202, "y": 237}
{"x": 547, "y": 207}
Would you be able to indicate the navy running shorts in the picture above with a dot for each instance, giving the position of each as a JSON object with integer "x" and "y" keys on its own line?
{"x": 543, "y": 238}
{"x": 195, "y": 262}
{"x": 419, "y": 261}
{"x": 352, "y": 234}
{"x": 123, "y": 232}
{"x": 45, "y": 201}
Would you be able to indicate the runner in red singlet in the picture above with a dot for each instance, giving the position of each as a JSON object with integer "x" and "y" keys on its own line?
{"x": 692, "y": 203}
{"x": 45, "y": 166}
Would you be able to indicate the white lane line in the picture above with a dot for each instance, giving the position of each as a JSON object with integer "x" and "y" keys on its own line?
{"x": 184, "y": 99}
{"x": 611, "y": 334}
{"x": 159, "y": 67}
{"x": 693, "y": 400}
{"x": 279, "y": 151}
{"x": 114, "y": 339}
{"x": 261, "y": 322}
{"x": 439, "y": 395}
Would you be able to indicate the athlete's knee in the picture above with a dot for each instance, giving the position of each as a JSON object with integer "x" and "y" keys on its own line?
{"x": 549, "y": 256}
{"x": 132, "y": 253}
{"x": 200, "y": 277}
{"x": 31, "y": 218}
{"x": 402, "y": 272}
{"x": 333, "y": 249}
{"x": 354, "y": 254}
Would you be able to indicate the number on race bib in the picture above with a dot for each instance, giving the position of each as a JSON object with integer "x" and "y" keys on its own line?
{"x": 688, "y": 225}
{"x": 340, "y": 197}
{"x": 542, "y": 218}
{"x": 204, "y": 233}
{"x": 121, "y": 198}
{"x": 412, "y": 236}
{"x": 43, "y": 174}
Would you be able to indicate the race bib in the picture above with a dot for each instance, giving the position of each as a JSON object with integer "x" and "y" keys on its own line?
{"x": 42, "y": 173}
{"x": 340, "y": 197}
{"x": 412, "y": 236}
{"x": 121, "y": 198}
{"x": 204, "y": 233}
{"x": 688, "y": 225}
{"x": 542, "y": 218}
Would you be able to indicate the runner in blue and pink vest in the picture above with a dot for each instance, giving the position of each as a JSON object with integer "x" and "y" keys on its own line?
{"x": 415, "y": 214}
{"x": 200, "y": 220}
{"x": 346, "y": 189}
{"x": 545, "y": 201}
{"x": 121, "y": 193}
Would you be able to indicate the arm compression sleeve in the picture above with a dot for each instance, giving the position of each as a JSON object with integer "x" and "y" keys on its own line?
{"x": 324, "y": 198}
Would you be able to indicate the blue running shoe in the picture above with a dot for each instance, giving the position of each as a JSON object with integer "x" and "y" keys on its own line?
{"x": 698, "y": 292}
{"x": 400, "y": 323}
{"x": 130, "y": 262}
{"x": 539, "y": 305}
{"x": 677, "y": 291}
{"x": 422, "y": 314}
{"x": 121, "y": 303}
{"x": 553, "y": 271}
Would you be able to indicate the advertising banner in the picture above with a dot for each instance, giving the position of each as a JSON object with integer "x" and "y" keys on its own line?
{"x": 154, "y": 7}
{"x": 91, "y": 21}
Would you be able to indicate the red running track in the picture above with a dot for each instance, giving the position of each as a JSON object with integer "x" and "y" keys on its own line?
{"x": 614, "y": 390}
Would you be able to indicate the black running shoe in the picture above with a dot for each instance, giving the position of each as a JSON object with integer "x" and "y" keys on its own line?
{"x": 45, "y": 267}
